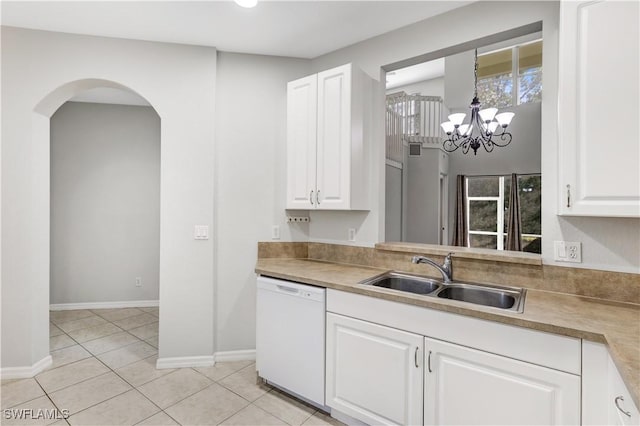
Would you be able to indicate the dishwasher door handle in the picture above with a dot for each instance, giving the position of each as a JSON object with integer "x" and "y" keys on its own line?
{"x": 288, "y": 289}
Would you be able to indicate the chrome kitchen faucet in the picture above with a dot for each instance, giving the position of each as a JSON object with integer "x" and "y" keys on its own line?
{"x": 446, "y": 269}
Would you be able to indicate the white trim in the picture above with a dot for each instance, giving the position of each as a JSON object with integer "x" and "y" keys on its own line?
{"x": 243, "y": 355}
{"x": 26, "y": 372}
{"x": 185, "y": 361}
{"x": 105, "y": 305}
{"x": 393, "y": 163}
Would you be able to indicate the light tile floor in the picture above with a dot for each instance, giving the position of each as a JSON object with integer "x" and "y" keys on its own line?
{"x": 104, "y": 373}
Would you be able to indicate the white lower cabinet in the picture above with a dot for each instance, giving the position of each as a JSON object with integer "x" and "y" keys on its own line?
{"x": 605, "y": 398}
{"x": 374, "y": 373}
{"x": 468, "y": 386}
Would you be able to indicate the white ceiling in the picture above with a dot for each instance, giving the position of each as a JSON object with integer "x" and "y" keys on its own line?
{"x": 304, "y": 29}
{"x": 415, "y": 73}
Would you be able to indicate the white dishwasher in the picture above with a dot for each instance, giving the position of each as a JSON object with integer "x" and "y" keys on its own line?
{"x": 290, "y": 324}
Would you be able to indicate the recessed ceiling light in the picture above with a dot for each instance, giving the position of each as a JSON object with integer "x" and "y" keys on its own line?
{"x": 246, "y": 3}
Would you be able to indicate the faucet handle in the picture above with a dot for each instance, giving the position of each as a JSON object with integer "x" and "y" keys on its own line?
{"x": 448, "y": 256}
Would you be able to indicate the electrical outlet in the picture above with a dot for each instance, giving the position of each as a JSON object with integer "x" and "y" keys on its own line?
{"x": 275, "y": 232}
{"x": 201, "y": 232}
{"x": 352, "y": 234}
{"x": 567, "y": 251}
{"x": 138, "y": 281}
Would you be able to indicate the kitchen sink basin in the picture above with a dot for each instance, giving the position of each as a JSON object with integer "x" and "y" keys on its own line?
{"x": 402, "y": 282}
{"x": 479, "y": 295}
{"x": 505, "y": 298}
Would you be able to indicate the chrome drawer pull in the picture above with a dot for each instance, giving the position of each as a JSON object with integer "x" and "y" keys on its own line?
{"x": 429, "y": 363}
{"x": 617, "y": 401}
{"x": 311, "y": 197}
{"x": 415, "y": 357}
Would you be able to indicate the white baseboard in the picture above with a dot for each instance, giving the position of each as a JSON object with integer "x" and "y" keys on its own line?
{"x": 206, "y": 361}
{"x": 185, "y": 361}
{"x": 105, "y": 305}
{"x": 243, "y": 355}
{"x": 26, "y": 372}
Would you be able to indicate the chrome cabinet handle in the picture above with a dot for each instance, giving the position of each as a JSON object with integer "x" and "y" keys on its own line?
{"x": 568, "y": 196}
{"x": 429, "y": 363}
{"x": 617, "y": 402}
{"x": 311, "y": 197}
{"x": 415, "y": 357}
{"x": 318, "y": 197}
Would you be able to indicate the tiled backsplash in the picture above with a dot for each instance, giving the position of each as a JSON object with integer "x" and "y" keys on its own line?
{"x": 615, "y": 286}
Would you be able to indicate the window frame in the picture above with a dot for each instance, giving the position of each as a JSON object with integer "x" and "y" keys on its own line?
{"x": 515, "y": 72}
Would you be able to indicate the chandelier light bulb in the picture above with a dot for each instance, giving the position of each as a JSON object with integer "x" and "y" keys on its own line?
{"x": 457, "y": 119}
{"x": 487, "y": 114}
{"x": 448, "y": 127}
{"x": 246, "y": 3}
{"x": 505, "y": 118}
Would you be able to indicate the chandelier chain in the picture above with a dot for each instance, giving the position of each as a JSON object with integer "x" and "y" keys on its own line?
{"x": 475, "y": 75}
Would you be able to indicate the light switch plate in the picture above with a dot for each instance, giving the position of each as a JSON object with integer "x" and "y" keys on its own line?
{"x": 352, "y": 234}
{"x": 201, "y": 232}
{"x": 275, "y": 232}
{"x": 567, "y": 251}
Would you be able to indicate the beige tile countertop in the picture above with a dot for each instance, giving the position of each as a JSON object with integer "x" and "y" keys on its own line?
{"x": 615, "y": 324}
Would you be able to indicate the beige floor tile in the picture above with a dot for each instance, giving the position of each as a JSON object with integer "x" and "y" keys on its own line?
{"x": 54, "y": 330}
{"x": 91, "y": 321}
{"x": 146, "y": 331}
{"x": 92, "y": 333}
{"x": 207, "y": 407}
{"x": 61, "y": 341}
{"x": 143, "y": 371}
{"x": 252, "y": 416}
{"x": 153, "y": 341}
{"x": 42, "y": 412}
{"x": 135, "y": 321}
{"x": 155, "y": 310}
{"x": 68, "y": 355}
{"x": 127, "y": 354}
{"x": 245, "y": 383}
{"x": 109, "y": 343}
{"x": 117, "y": 314}
{"x": 57, "y": 317}
{"x": 222, "y": 369}
{"x": 70, "y": 374}
{"x": 18, "y": 391}
{"x": 321, "y": 419}
{"x": 126, "y": 409}
{"x": 160, "y": 419}
{"x": 169, "y": 389}
{"x": 284, "y": 407}
{"x": 90, "y": 392}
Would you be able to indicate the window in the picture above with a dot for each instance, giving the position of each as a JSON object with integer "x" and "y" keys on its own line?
{"x": 488, "y": 210}
{"x": 511, "y": 76}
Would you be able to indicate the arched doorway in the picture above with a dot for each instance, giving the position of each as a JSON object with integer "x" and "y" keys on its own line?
{"x": 55, "y": 102}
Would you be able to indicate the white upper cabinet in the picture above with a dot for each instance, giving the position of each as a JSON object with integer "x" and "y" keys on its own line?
{"x": 598, "y": 108}
{"x": 302, "y": 110}
{"x": 328, "y": 117}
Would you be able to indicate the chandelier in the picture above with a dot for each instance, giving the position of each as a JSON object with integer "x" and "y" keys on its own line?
{"x": 486, "y": 122}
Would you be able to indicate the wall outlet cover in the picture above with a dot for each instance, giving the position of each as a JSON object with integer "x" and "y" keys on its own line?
{"x": 567, "y": 251}
{"x": 352, "y": 234}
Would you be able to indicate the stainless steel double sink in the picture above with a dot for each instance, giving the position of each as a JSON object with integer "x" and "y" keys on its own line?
{"x": 505, "y": 298}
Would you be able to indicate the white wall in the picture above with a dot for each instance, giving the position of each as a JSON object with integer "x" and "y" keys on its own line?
{"x": 610, "y": 244}
{"x": 423, "y": 197}
{"x": 40, "y": 71}
{"x": 432, "y": 87}
{"x": 251, "y": 182}
{"x": 105, "y": 203}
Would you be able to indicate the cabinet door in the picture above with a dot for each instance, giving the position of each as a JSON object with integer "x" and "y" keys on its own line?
{"x": 598, "y": 108}
{"x": 374, "y": 373}
{"x": 467, "y": 386}
{"x": 301, "y": 142}
{"x": 334, "y": 138}
{"x": 621, "y": 409}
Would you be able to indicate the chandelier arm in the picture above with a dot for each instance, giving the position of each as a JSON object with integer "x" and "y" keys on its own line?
{"x": 505, "y": 137}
